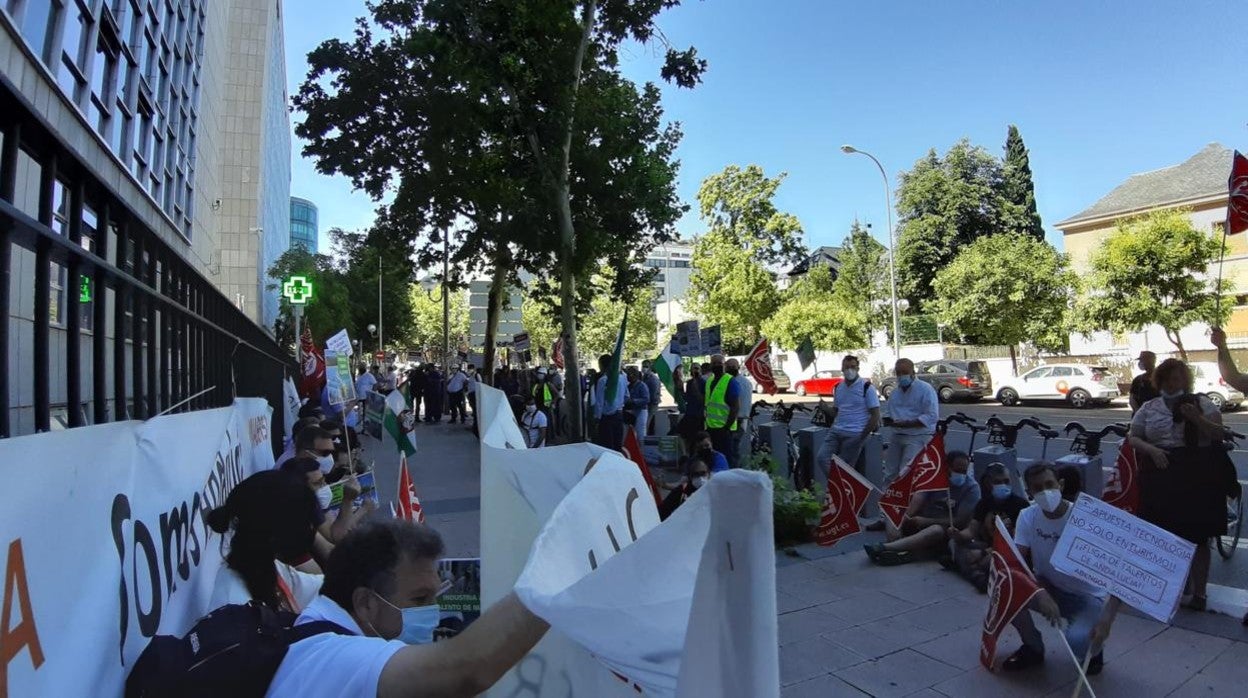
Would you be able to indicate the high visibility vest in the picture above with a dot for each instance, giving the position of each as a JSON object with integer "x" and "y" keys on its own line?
{"x": 717, "y": 403}
{"x": 546, "y": 394}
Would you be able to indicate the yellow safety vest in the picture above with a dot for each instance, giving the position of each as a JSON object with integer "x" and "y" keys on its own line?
{"x": 717, "y": 403}
{"x": 546, "y": 394}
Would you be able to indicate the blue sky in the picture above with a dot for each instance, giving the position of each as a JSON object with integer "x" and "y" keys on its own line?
{"x": 1100, "y": 90}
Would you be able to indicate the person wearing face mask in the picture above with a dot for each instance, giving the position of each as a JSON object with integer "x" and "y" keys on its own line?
{"x": 854, "y": 413}
{"x": 703, "y": 448}
{"x": 911, "y": 413}
{"x": 316, "y": 443}
{"x": 533, "y": 422}
{"x": 333, "y": 526}
{"x": 268, "y": 524}
{"x": 974, "y": 541}
{"x": 1088, "y": 614}
{"x": 697, "y": 474}
{"x": 930, "y": 517}
{"x": 722, "y": 400}
{"x": 1185, "y": 473}
{"x": 381, "y": 589}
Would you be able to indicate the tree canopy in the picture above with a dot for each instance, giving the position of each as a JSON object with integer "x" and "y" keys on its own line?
{"x": 1153, "y": 270}
{"x": 1006, "y": 289}
{"x": 599, "y": 323}
{"x": 1019, "y": 213}
{"x": 330, "y": 307}
{"x": 862, "y": 282}
{"x": 812, "y": 310}
{"x": 424, "y": 332}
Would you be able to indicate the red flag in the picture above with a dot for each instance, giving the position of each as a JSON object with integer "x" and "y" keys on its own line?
{"x": 556, "y": 353}
{"x": 927, "y": 473}
{"x": 313, "y": 367}
{"x": 847, "y": 492}
{"x": 1237, "y": 190}
{"x": 1011, "y": 587}
{"x": 758, "y": 363}
{"x": 632, "y": 449}
{"x": 409, "y": 502}
{"x": 1123, "y": 488}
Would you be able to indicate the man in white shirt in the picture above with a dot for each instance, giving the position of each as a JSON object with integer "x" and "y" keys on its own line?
{"x": 745, "y": 400}
{"x": 1088, "y": 615}
{"x": 609, "y": 413}
{"x": 912, "y": 411}
{"x": 381, "y": 588}
{"x": 455, "y": 387}
{"x": 854, "y": 414}
{"x": 366, "y": 382}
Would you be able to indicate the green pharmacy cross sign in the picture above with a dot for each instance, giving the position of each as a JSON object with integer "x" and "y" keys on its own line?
{"x": 84, "y": 291}
{"x": 298, "y": 290}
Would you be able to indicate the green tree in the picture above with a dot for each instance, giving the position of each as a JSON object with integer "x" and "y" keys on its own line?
{"x": 1153, "y": 270}
{"x": 813, "y": 310}
{"x": 599, "y": 322}
{"x": 944, "y": 204}
{"x": 330, "y": 308}
{"x": 1007, "y": 289}
{"x": 362, "y": 257}
{"x": 1019, "y": 213}
{"x": 730, "y": 286}
{"x": 862, "y": 281}
{"x": 424, "y": 332}
{"x": 507, "y": 125}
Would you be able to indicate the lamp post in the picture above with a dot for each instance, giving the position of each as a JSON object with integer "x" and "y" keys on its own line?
{"x": 372, "y": 332}
{"x": 892, "y": 245}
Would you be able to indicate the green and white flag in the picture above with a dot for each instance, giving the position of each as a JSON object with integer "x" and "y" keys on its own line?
{"x": 617, "y": 357}
{"x": 665, "y": 365}
{"x": 400, "y": 423}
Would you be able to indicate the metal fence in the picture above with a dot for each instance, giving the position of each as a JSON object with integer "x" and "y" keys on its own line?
{"x": 154, "y": 332}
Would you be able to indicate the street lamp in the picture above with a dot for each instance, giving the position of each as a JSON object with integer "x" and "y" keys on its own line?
{"x": 892, "y": 246}
{"x": 429, "y": 283}
{"x": 372, "y": 332}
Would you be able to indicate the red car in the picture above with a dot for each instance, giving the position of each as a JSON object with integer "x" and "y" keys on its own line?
{"x": 822, "y": 383}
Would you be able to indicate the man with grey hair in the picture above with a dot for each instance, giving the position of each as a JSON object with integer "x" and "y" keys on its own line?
{"x": 911, "y": 413}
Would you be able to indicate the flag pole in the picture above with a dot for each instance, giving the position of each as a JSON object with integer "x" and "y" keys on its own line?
{"x": 1221, "y": 256}
{"x": 1081, "y": 668}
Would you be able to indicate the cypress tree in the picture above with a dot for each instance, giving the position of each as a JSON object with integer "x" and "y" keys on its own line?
{"x": 1018, "y": 190}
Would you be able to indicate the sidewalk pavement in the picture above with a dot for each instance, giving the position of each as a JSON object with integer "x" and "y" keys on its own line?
{"x": 849, "y": 628}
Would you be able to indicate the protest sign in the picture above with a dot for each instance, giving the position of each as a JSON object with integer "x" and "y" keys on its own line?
{"x": 683, "y": 608}
{"x": 115, "y": 547}
{"x": 338, "y": 384}
{"x": 290, "y": 408}
{"x": 461, "y": 602}
{"x": 374, "y": 412}
{"x": 688, "y": 338}
{"x": 1140, "y": 563}
{"x": 711, "y": 341}
{"x": 521, "y": 341}
{"x": 368, "y": 491}
{"x": 340, "y": 343}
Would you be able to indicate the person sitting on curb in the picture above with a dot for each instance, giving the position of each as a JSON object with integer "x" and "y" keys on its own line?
{"x": 1084, "y": 608}
{"x": 697, "y": 474}
{"x": 974, "y": 541}
{"x": 927, "y": 524}
{"x": 704, "y": 450}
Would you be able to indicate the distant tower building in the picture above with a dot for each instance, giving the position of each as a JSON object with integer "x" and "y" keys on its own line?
{"x": 303, "y": 226}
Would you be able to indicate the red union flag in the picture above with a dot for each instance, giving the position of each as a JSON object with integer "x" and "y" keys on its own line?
{"x": 409, "y": 502}
{"x": 1123, "y": 488}
{"x": 632, "y": 451}
{"x": 556, "y": 353}
{"x": 758, "y": 363}
{"x": 927, "y": 472}
{"x": 1011, "y": 587}
{"x": 313, "y": 378}
{"x": 847, "y": 492}
{"x": 1237, "y": 191}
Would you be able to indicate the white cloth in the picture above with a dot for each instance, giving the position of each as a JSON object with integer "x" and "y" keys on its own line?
{"x": 853, "y": 405}
{"x": 364, "y": 384}
{"x": 229, "y": 587}
{"x": 1038, "y": 532}
{"x": 1154, "y": 421}
{"x": 919, "y": 402}
{"x": 330, "y": 664}
{"x": 531, "y": 424}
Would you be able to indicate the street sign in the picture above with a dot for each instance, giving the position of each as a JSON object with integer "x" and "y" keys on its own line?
{"x": 380, "y": 356}
{"x": 340, "y": 343}
{"x": 298, "y": 290}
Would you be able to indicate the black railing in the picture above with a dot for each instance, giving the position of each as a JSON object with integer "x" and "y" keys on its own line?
{"x": 173, "y": 339}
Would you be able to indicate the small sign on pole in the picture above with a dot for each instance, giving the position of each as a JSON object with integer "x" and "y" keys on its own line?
{"x": 298, "y": 290}
{"x": 340, "y": 343}
{"x": 521, "y": 341}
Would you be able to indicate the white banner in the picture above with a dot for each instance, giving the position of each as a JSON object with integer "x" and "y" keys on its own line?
{"x": 682, "y": 608}
{"x": 340, "y": 343}
{"x": 1132, "y": 559}
{"x": 109, "y": 545}
{"x": 290, "y": 406}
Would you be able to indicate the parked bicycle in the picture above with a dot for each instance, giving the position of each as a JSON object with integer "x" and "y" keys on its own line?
{"x": 1228, "y": 543}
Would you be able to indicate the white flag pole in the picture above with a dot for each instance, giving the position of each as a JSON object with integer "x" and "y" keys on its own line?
{"x": 1081, "y": 668}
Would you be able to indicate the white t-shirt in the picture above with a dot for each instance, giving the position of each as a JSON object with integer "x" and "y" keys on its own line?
{"x": 853, "y": 405}
{"x": 229, "y": 587}
{"x": 330, "y": 664}
{"x": 1038, "y": 532}
{"x": 531, "y": 423}
{"x": 1154, "y": 421}
{"x": 745, "y": 396}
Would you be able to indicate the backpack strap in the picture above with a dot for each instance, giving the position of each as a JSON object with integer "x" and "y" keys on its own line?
{"x": 316, "y": 627}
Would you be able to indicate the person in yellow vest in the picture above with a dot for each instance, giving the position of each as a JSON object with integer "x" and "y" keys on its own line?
{"x": 545, "y": 394}
{"x": 721, "y": 408}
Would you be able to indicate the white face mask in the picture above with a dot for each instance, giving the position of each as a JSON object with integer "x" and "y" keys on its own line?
{"x": 326, "y": 463}
{"x": 851, "y": 374}
{"x": 530, "y": 409}
{"x": 324, "y": 496}
{"x": 698, "y": 482}
{"x": 1049, "y": 500}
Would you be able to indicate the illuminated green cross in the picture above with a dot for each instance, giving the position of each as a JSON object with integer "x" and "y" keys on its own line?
{"x": 298, "y": 290}
{"x": 84, "y": 292}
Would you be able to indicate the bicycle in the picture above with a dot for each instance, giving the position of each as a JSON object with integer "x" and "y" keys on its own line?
{"x": 1228, "y": 543}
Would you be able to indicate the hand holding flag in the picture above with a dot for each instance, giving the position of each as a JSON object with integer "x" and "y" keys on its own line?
{"x": 1011, "y": 586}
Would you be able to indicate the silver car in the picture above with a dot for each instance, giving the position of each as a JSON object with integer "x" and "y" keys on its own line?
{"x": 783, "y": 383}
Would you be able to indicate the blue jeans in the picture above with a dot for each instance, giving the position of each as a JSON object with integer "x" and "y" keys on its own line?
{"x": 1081, "y": 613}
{"x": 847, "y": 446}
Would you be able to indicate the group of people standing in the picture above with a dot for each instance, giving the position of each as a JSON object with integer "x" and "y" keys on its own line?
{"x": 430, "y": 390}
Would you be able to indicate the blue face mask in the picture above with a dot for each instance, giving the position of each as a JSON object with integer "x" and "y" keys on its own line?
{"x": 957, "y": 479}
{"x": 1001, "y": 491}
{"x": 905, "y": 381}
{"x": 418, "y": 622}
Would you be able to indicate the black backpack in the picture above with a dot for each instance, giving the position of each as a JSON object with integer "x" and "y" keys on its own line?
{"x": 233, "y": 651}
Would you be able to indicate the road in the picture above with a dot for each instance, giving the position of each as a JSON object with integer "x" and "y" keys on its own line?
{"x": 1233, "y": 573}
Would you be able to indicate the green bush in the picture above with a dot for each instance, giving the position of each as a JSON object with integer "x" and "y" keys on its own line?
{"x": 793, "y": 511}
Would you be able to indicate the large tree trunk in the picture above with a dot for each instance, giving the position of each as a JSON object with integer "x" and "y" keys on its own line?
{"x": 1014, "y": 358}
{"x": 493, "y": 307}
{"x": 567, "y": 311}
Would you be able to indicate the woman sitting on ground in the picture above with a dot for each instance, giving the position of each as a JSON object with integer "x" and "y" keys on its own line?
{"x": 271, "y": 519}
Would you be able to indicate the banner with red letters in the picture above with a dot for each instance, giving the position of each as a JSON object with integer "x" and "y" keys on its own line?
{"x": 847, "y": 492}
{"x": 1011, "y": 586}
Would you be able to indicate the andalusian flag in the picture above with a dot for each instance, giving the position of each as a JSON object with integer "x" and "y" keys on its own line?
{"x": 617, "y": 357}
{"x": 400, "y": 423}
{"x": 665, "y": 365}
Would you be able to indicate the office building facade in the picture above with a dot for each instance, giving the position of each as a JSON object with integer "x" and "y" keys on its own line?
{"x": 303, "y": 224}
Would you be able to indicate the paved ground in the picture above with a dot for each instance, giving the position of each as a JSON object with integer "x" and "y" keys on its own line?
{"x": 847, "y": 628}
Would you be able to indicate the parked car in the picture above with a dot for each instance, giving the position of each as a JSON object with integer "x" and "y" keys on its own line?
{"x": 783, "y": 383}
{"x": 822, "y": 383}
{"x": 1207, "y": 379}
{"x": 953, "y": 379}
{"x": 1080, "y": 385}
